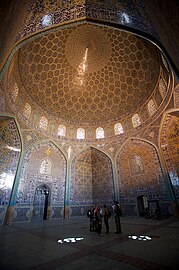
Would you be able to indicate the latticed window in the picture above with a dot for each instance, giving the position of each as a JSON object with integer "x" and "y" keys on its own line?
{"x": 151, "y": 107}
{"x": 137, "y": 165}
{"x": 61, "y": 130}
{"x": 136, "y": 120}
{"x": 27, "y": 110}
{"x": 80, "y": 133}
{"x": 118, "y": 129}
{"x": 99, "y": 133}
{"x": 138, "y": 161}
{"x": 43, "y": 123}
{"x": 15, "y": 92}
{"x": 162, "y": 88}
{"x": 46, "y": 166}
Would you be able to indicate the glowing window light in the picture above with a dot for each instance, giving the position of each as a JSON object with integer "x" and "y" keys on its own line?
{"x": 70, "y": 240}
{"x": 80, "y": 134}
{"x": 61, "y": 130}
{"x": 118, "y": 129}
{"x": 151, "y": 107}
{"x": 27, "y": 110}
{"x": 125, "y": 17}
{"x": 43, "y": 123}
{"x": 6, "y": 180}
{"x": 174, "y": 178}
{"x": 82, "y": 69}
{"x": 13, "y": 148}
{"x": 136, "y": 120}
{"x": 140, "y": 237}
{"x": 46, "y": 20}
{"x": 99, "y": 133}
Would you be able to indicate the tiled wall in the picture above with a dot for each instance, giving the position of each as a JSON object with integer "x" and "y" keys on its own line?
{"x": 91, "y": 180}
{"x": 10, "y": 147}
{"x": 33, "y": 176}
{"x": 140, "y": 173}
{"x": 170, "y": 146}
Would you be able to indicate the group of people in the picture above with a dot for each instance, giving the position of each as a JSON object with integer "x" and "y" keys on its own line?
{"x": 98, "y": 215}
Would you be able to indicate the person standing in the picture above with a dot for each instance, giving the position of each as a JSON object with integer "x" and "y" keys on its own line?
{"x": 106, "y": 216}
{"x": 91, "y": 216}
{"x": 117, "y": 215}
{"x": 113, "y": 206}
{"x": 98, "y": 215}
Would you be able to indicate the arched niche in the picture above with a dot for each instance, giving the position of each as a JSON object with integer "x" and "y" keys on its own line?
{"x": 169, "y": 144}
{"x": 41, "y": 202}
{"x": 91, "y": 181}
{"x": 140, "y": 175}
{"x": 43, "y": 165}
{"x": 10, "y": 150}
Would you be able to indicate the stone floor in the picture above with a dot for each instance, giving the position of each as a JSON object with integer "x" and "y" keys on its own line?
{"x": 47, "y": 245}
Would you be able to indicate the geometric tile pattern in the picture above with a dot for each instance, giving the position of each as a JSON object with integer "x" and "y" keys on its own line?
{"x": 88, "y": 73}
{"x": 32, "y": 176}
{"x": 69, "y": 132}
{"x": 9, "y": 156}
{"x": 10, "y": 147}
{"x": 140, "y": 173}
{"x": 170, "y": 145}
{"x": 91, "y": 180}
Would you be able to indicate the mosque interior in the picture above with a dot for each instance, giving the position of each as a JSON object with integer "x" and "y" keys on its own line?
{"x": 89, "y": 98}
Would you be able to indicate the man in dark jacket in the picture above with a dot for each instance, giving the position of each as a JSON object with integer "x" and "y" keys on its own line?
{"x": 106, "y": 216}
{"x": 117, "y": 215}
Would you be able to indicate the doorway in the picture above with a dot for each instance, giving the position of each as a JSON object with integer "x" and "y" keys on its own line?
{"x": 142, "y": 203}
{"x": 41, "y": 202}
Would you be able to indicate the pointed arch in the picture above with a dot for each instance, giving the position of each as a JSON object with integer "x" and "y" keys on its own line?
{"x": 134, "y": 138}
{"x": 140, "y": 173}
{"x": 91, "y": 178}
{"x": 41, "y": 202}
{"x": 45, "y": 155}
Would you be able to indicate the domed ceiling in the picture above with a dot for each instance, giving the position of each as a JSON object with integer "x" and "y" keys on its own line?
{"x": 88, "y": 74}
